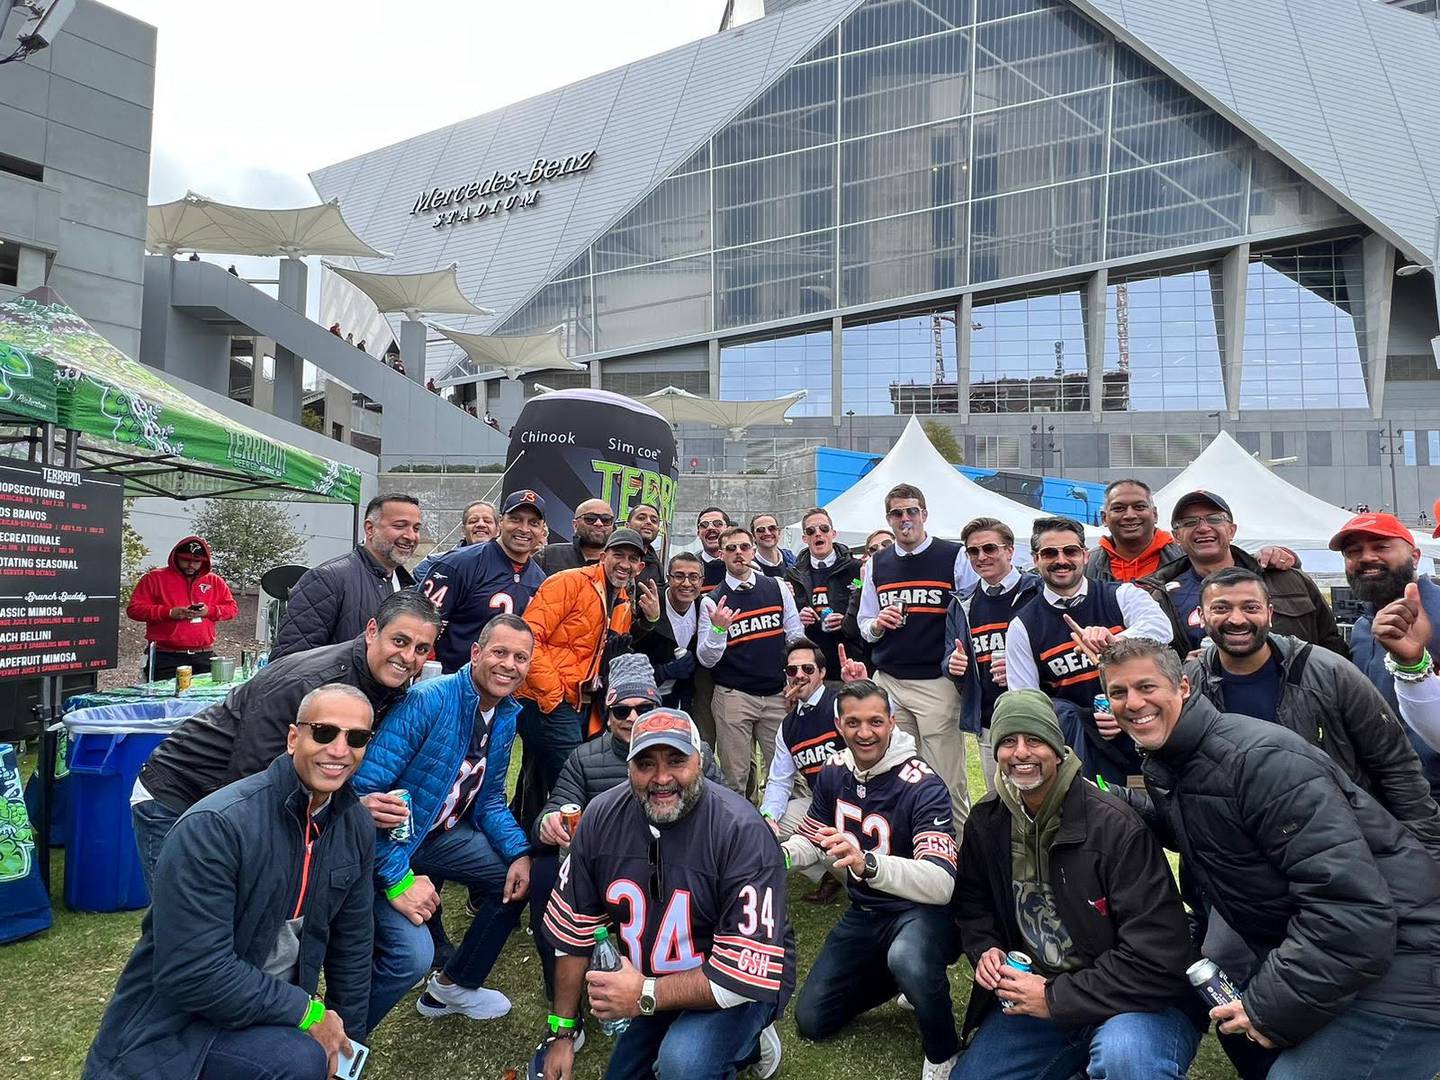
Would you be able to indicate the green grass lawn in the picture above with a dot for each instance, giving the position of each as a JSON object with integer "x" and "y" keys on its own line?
{"x": 56, "y": 987}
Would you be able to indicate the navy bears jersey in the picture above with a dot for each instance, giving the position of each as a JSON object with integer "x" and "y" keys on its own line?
{"x": 708, "y": 892}
{"x": 471, "y": 585}
{"x": 903, "y": 812}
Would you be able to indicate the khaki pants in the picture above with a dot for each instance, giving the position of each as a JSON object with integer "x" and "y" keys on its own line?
{"x": 987, "y": 759}
{"x": 741, "y": 721}
{"x": 929, "y": 709}
{"x": 790, "y": 821}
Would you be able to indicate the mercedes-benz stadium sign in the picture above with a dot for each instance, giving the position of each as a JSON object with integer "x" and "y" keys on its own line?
{"x": 499, "y": 193}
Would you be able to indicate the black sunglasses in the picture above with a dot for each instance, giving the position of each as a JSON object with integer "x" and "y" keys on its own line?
{"x": 976, "y": 550}
{"x": 1070, "y": 551}
{"x": 795, "y": 669}
{"x": 811, "y": 530}
{"x": 598, "y": 519}
{"x": 624, "y": 712}
{"x": 324, "y": 734}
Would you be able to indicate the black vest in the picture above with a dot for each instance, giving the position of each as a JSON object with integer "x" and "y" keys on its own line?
{"x": 810, "y": 736}
{"x": 714, "y": 575}
{"x": 754, "y": 659}
{"x": 990, "y": 618}
{"x": 924, "y": 583}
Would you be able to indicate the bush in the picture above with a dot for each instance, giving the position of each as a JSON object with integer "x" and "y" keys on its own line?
{"x": 247, "y": 538}
{"x": 944, "y": 441}
{"x": 132, "y": 555}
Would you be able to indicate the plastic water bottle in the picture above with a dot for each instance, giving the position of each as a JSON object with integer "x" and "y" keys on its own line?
{"x": 607, "y": 958}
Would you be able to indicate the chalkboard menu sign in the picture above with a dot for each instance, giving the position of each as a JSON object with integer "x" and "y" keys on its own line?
{"x": 59, "y": 570}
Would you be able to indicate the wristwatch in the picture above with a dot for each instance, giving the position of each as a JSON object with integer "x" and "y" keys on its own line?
{"x": 872, "y": 866}
{"x": 647, "y": 998}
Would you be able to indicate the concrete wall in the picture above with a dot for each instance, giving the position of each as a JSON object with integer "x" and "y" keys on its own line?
{"x": 82, "y": 109}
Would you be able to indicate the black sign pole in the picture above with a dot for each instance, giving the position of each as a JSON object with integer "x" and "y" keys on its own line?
{"x": 45, "y": 714}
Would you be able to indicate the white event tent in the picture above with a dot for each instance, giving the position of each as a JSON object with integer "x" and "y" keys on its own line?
{"x": 1267, "y": 509}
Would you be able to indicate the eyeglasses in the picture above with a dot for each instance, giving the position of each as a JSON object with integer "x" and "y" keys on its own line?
{"x": 1209, "y": 519}
{"x": 767, "y": 528}
{"x": 904, "y": 512}
{"x": 795, "y": 669}
{"x": 683, "y": 579}
{"x": 731, "y": 549}
{"x": 713, "y": 523}
{"x": 823, "y": 530}
{"x": 1070, "y": 551}
{"x": 324, "y": 734}
{"x": 976, "y": 550}
{"x": 598, "y": 519}
{"x": 624, "y": 712}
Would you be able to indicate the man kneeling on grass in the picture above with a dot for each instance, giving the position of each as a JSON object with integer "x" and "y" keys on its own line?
{"x": 257, "y": 887}
{"x": 1055, "y": 868}
{"x": 884, "y": 816}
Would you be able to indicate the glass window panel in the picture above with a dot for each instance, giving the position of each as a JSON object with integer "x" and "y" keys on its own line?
{"x": 778, "y": 280}
{"x": 881, "y": 22}
{"x": 640, "y": 383}
{"x": 903, "y": 171}
{"x": 779, "y": 196}
{"x": 1171, "y": 206}
{"x": 1279, "y": 199}
{"x": 1001, "y": 9}
{"x": 1028, "y": 353}
{"x": 561, "y": 303}
{"x": 825, "y": 49}
{"x": 1055, "y": 51}
{"x": 579, "y": 268}
{"x": 1162, "y": 345}
{"x": 1043, "y": 143}
{"x": 764, "y": 370}
{"x": 653, "y": 303}
{"x": 901, "y": 366}
{"x": 903, "y": 256}
{"x": 672, "y": 220}
{"x": 697, "y": 162}
{"x": 797, "y": 112}
{"x": 1155, "y": 121}
{"x": 1034, "y": 231}
{"x": 912, "y": 82}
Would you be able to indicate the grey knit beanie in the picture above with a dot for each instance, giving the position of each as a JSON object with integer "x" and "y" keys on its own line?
{"x": 631, "y": 676}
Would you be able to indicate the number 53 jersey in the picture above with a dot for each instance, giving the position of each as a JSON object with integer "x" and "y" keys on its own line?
{"x": 707, "y": 891}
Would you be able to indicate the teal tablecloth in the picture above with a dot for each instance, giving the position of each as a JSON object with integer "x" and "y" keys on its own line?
{"x": 202, "y": 689}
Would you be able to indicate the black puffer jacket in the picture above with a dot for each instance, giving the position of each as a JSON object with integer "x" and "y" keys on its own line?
{"x": 1115, "y": 895}
{"x": 243, "y": 734}
{"x": 1330, "y": 704}
{"x": 595, "y": 767}
{"x": 1339, "y": 901}
{"x": 332, "y": 602}
{"x": 843, "y": 581}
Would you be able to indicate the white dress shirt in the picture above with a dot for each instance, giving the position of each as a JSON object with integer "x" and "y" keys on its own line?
{"x": 711, "y": 646}
{"x": 780, "y": 784}
{"x": 682, "y": 625}
{"x": 870, "y": 601}
{"x": 1142, "y": 616}
{"x": 1419, "y": 707}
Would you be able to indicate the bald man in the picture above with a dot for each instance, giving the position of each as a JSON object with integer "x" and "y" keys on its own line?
{"x": 592, "y": 525}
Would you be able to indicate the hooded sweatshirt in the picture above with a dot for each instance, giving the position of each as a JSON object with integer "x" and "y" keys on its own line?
{"x": 166, "y": 587}
{"x": 1047, "y": 941}
{"x": 911, "y": 879}
{"x": 1144, "y": 564}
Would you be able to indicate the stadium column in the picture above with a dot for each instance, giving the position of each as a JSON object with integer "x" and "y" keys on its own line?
{"x": 1094, "y": 301}
{"x": 964, "y": 326}
{"x": 412, "y": 348}
{"x": 1234, "y": 274}
{"x": 1378, "y": 258}
{"x": 837, "y": 370}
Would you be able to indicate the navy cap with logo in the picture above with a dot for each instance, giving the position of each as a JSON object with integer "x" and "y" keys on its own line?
{"x": 524, "y": 497}
{"x": 1190, "y": 498}
{"x": 664, "y": 727}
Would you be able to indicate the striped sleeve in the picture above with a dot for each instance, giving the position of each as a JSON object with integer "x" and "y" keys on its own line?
{"x": 576, "y": 908}
{"x": 933, "y": 826}
{"x": 748, "y": 954}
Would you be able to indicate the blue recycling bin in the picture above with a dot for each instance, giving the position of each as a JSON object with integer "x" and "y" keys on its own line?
{"x": 108, "y": 745}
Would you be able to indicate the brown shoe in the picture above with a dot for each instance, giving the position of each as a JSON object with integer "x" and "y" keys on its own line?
{"x": 825, "y": 892}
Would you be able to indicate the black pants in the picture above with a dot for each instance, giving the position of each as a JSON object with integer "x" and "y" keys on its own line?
{"x": 166, "y": 662}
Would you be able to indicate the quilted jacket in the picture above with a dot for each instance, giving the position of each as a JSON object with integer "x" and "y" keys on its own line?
{"x": 567, "y": 614}
{"x": 421, "y": 748}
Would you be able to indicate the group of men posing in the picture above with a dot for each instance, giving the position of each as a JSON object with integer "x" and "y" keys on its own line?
{"x": 834, "y": 689}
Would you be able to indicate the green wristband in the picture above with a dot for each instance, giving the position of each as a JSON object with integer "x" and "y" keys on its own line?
{"x": 400, "y": 886}
{"x": 313, "y": 1014}
{"x": 719, "y": 631}
{"x": 1423, "y": 664}
{"x": 561, "y": 1023}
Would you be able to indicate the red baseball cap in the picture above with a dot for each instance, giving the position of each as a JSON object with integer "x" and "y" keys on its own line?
{"x": 1373, "y": 525}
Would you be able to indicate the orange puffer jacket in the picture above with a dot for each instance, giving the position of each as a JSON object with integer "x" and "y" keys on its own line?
{"x": 567, "y": 614}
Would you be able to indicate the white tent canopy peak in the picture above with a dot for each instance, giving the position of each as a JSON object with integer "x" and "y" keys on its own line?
{"x": 513, "y": 355}
{"x": 434, "y": 291}
{"x": 199, "y": 224}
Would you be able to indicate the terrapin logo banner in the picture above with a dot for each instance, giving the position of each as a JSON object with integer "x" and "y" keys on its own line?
{"x": 574, "y": 445}
{"x": 17, "y": 840}
{"x": 256, "y": 454}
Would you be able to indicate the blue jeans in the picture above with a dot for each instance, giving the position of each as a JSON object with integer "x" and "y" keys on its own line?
{"x": 153, "y": 821}
{"x": 549, "y": 737}
{"x": 1363, "y": 1045}
{"x": 871, "y": 954}
{"x": 713, "y": 1044}
{"x": 1129, "y": 1046}
{"x": 404, "y": 951}
{"x": 267, "y": 1052}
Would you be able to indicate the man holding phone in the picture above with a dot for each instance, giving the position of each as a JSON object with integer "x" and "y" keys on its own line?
{"x": 180, "y": 603}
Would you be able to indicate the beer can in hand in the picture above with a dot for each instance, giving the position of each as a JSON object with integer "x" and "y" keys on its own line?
{"x": 1212, "y": 984}
{"x": 904, "y": 609}
{"x": 406, "y": 829}
{"x": 570, "y": 817}
{"x": 1101, "y": 703}
{"x": 1020, "y": 962}
{"x": 183, "y": 674}
{"x": 431, "y": 670}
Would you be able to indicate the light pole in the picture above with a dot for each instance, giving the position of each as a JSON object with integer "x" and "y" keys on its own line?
{"x": 1084, "y": 496}
{"x": 1389, "y": 448}
{"x": 850, "y": 429}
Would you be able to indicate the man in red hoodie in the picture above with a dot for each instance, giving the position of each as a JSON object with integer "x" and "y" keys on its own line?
{"x": 180, "y": 604}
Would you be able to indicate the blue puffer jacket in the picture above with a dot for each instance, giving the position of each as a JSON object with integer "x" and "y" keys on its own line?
{"x": 421, "y": 748}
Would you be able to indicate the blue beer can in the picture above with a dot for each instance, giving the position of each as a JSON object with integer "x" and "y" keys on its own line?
{"x": 405, "y": 830}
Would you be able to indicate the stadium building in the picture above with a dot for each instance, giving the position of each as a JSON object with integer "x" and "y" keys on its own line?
{"x": 1085, "y": 234}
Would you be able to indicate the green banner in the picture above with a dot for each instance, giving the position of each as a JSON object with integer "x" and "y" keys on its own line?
{"x": 118, "y": 403}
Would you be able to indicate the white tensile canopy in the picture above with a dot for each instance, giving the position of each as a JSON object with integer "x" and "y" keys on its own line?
{"x": 682, "y": 407}
{"x": 953, "y": 499}
{"x": 434, "y": 291}
{"x": 196, "y": 223}
{"x": 514, "y": 355}
{"x": 1267, "y": 509}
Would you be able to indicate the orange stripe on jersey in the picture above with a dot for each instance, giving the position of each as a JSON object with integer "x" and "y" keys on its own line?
{"x": 745, "y": 639}
{"x": 1058, "y": 649}
{"x": 759, "y": 611}
{"x": 814, "y": 742}
{"x": 889, "y": 585}
{"x": 1084, "y": 676}
{"x": 988, "y": 626}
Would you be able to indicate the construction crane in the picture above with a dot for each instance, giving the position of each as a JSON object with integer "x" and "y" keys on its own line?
{"x": 1122, "y": 324}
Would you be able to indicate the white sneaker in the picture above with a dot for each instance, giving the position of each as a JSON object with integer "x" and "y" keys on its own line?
{"x": 938, "y": 1071}
{"x": 904, "y": 1003}
{"x": 770, "y": 1053}
{"x": 480, "y": 1003}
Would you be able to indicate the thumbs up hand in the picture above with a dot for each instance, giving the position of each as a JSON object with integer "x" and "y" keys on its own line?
{"x": 1403, "y": 628}
{"x": 959, "y": 660}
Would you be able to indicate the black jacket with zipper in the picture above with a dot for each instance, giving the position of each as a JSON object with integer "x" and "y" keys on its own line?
{"x": 1115, "y": 894}
{"x": 335, "y": 601}
{"x": 229, "y": 877}
{"x": 1330, "y": 704}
